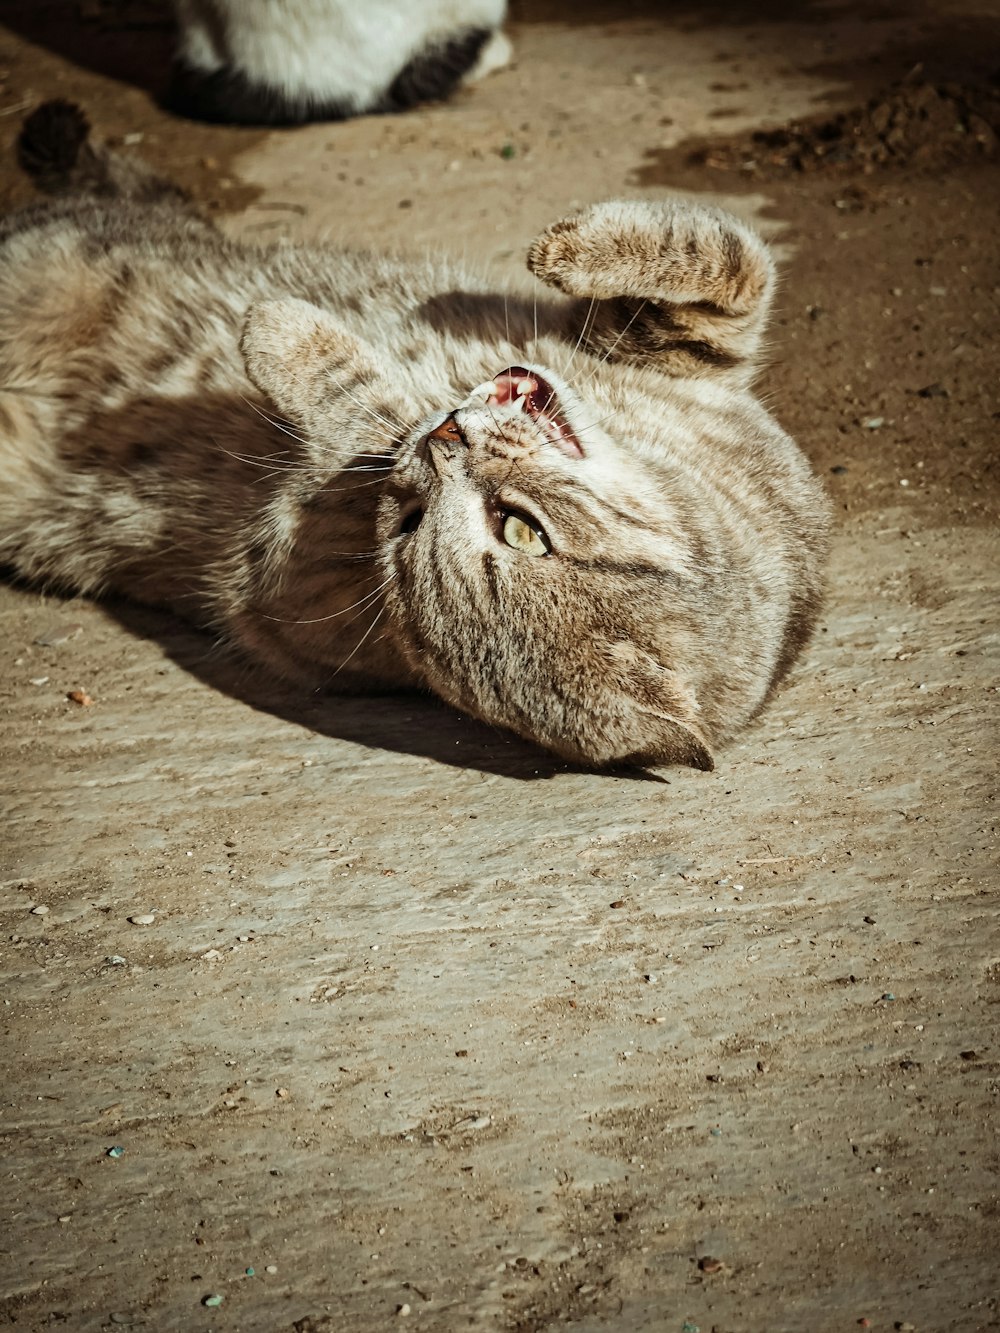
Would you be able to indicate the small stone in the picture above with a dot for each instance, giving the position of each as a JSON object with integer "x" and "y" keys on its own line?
{"x": 250, "y": 1272}
{"x": 65, "y": 1218}
{"x": 80, "y": 697}
{"x": 873, "y": 423}
{"x": 709, "y": 1264}
{"x": 403, "y": 1310}
{"x": 143, "y": 919}
{"x": 271, "y": 1268}
{"x": 116, "y": 1152}
{"x": 211, "y": 956}
{"x": 618, "y": 902}
{"x": 59, "y": 634}
{"x": 39, "y": 910}
{"x": 904, "y": 1326}
{"x": 212, "y": 1301}
{"x": 115, "y": 960}
{"x": 888, "y": 996}
{"x": 39, "y": 680}
{"x": 283, "y": 1093}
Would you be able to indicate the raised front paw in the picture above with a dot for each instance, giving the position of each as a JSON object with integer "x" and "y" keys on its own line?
{"x": 673, "y": 252}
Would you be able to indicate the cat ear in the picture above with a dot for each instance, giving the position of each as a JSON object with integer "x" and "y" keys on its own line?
{"x": 304, "y": 360}
{"x": 663, "y": 723}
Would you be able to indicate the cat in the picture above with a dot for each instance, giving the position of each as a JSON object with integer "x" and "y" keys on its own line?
{"x": 284, "y": 62}
{"x": 567, "y": 516}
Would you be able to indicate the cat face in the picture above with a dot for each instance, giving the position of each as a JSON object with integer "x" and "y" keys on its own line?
{"x": 528, "y": 552}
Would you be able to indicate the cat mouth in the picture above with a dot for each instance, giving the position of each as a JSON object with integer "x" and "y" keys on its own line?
{"x": 527, "y": 390}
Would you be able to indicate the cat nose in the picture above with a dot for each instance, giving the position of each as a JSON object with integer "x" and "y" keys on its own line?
{"x": 442, "y": 445}
{"x": 448, "y": 432}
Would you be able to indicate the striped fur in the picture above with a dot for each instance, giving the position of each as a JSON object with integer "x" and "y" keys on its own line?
{"x": 289, "y": 445}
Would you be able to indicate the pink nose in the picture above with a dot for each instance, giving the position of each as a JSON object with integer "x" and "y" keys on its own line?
{"x": 447, "y": 431}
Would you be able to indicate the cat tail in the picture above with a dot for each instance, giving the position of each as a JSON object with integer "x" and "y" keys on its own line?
{"x": 56, "y": 150}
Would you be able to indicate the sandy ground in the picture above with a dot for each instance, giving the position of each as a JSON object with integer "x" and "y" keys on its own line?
{"x": 427, "y": 1027}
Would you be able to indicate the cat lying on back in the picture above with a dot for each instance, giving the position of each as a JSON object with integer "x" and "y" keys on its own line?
{"x": 283, "y": 62}
{"x": 571, "y": 519}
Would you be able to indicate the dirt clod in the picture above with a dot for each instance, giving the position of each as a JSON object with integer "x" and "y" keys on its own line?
{"x": 917, "y": 125}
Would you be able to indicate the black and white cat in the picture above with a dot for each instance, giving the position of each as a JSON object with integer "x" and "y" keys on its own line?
{"x": 284, "y": 62}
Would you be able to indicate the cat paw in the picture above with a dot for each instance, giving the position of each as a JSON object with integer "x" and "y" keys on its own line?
{"x": 672, "y": 252}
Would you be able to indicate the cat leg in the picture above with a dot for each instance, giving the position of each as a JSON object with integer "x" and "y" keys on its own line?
{"x": 682, "y": 286}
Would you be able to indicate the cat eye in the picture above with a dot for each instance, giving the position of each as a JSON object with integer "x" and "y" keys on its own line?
{"x": 523, "y": 535}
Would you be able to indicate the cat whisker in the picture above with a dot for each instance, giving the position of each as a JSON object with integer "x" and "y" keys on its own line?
{"x": 267, "y": 463}
{"x": 272, "y": 421}
{"x": 363, "y": 603}
{"x": 579, "y": 342}
{"x": 361, "y": 642}
{"x": 301, "y": 439}
{"x": 379, "y": 481}
{"x": 608, "y": 354}
{"x": 392, "y": 427}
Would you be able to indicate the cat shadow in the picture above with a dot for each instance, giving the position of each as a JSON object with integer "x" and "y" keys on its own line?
{"x": 403, "y": 722}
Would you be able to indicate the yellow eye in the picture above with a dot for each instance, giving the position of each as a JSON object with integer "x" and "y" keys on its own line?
{"x": 524, "y": 536}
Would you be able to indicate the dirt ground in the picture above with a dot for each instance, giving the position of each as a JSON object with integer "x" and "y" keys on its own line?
{"x": 426, "y": 1027}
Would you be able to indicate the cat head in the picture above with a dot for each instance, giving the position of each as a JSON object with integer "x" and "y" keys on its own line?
{"x": 536, "y": 578}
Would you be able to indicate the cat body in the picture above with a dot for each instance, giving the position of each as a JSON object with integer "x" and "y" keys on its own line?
{"x": 566, "y": 516}
{"x": 282, "y": 62}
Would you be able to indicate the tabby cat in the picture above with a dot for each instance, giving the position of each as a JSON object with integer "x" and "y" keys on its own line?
{"x": 566, "y": 516}
{"x": 283, "y": 62}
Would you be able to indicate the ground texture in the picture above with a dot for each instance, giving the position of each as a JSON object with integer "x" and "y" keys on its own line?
{"x": 424, "y": 1026}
